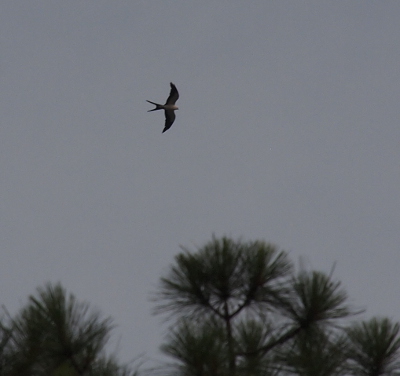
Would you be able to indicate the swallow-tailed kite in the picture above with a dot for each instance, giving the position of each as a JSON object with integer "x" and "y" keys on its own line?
{"x": 169, "y": 107}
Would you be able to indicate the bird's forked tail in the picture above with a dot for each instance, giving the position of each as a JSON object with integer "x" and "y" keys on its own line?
{"x": 158, "y": 106}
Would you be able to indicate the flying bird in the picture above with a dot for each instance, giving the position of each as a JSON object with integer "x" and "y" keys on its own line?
{"x": 169, "y": 107}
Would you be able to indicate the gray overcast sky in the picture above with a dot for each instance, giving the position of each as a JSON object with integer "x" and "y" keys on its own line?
{"x": 288, "y": 131}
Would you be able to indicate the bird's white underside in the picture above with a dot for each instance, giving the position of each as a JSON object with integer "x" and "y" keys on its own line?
{"x": 169, "y": 107}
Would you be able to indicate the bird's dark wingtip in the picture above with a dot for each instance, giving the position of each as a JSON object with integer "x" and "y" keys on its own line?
{"x": 166, "y": 128}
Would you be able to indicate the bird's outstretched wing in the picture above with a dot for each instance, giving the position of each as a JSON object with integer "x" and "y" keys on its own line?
{"x": 169, "y": 119}
{"x": 173, "y": 95}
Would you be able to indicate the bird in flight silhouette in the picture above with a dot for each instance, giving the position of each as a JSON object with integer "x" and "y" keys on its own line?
{"x": 169, "y": 107}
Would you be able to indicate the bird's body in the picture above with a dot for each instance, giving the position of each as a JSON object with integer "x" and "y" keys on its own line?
{"x": 169, "y": 107}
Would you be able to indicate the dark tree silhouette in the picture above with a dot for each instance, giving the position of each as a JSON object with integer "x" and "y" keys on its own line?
{"x": 54, "y": 334}
{"x": 239, "y": 308}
